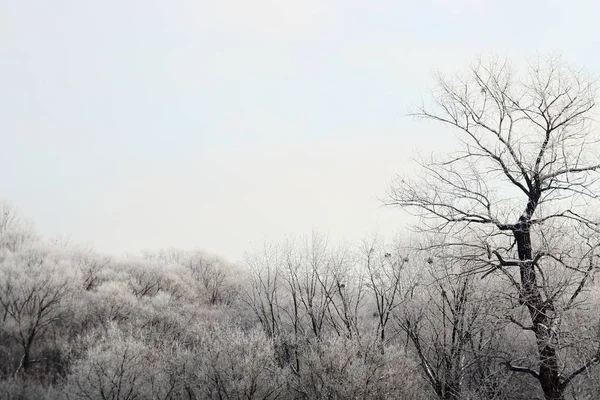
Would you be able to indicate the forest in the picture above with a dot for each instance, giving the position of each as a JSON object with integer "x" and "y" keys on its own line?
{"x": 493, "y": 296}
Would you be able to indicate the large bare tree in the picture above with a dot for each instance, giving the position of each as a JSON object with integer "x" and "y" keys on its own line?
{"x": 518, "y": 197}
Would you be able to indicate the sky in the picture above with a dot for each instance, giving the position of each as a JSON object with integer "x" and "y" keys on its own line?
{"x": 217, "y": 125}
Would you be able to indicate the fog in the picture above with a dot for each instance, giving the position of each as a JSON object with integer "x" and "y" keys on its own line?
{"x": 299, "y": 200}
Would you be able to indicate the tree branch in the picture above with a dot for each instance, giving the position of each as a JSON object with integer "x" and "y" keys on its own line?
{"x": 526, "y": 370}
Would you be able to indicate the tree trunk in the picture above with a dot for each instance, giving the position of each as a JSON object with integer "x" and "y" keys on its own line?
{"x": 448, "y": 390}
{"x": 24, "y": 363}
{"x": 542, "y": 316}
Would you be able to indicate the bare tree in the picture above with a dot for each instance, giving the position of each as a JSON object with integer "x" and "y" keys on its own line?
{"x": 264, "y": 291}
{"x": 112, "y": 369}
{"x": 91, "y": 266}
{"x": 144, "y": 279}
{"x": 387, "y": 283}
{"x": 447, "y": 324}
{"x": 527, "y": 168}
{"x": 212, "y": 273}
{"x": 293, "y": 285}
{"x": 347, "y": 293}
{"x": 31, "y": 292}
{"x": 315, "y": 281}
{"x": 15, "y": 232}
{"x": 8, "y": 216}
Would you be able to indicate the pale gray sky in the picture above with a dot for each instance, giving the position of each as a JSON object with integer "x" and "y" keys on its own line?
{"x": 217, "y": 124}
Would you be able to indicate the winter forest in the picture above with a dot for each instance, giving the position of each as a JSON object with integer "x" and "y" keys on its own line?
{"x": 494, "y": 294}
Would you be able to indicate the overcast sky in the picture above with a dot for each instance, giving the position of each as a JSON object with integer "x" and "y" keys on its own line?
{"x": 137, "y": 125}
